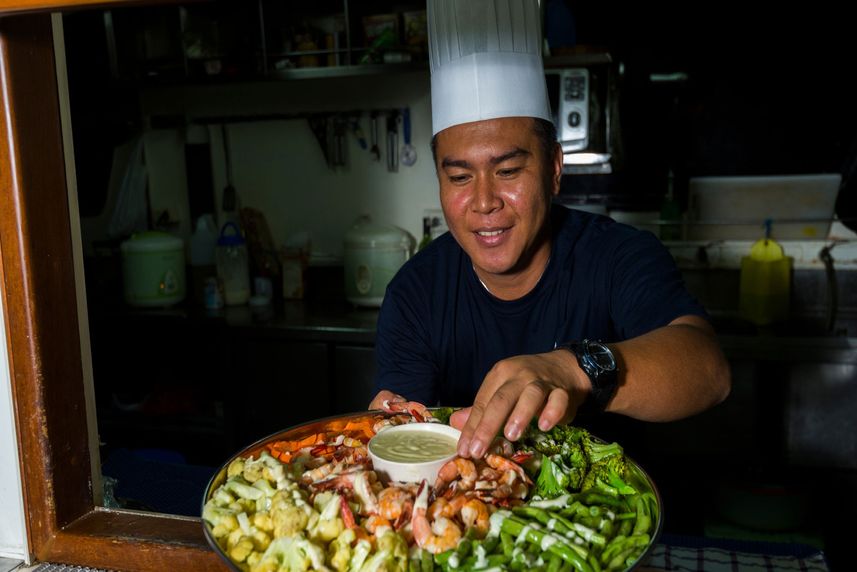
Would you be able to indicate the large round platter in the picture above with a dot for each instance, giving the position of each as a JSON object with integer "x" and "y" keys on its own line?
{"x": 329, "y": 424}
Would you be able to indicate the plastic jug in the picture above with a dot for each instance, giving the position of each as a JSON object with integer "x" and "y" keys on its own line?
{"x": 233, "y": 266}
{"x": 765, "y": 283}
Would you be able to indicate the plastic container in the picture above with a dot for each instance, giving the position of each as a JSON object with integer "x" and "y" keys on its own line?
{"x": 203, "y": 242}
{"x": 373, "y": 255}
{"x": 765, "y": 283}
{"x": 233, "y": 266}
{"x": 153, "y": 269}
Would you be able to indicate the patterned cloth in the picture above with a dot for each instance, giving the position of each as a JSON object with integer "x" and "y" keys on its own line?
{"x": 710, "y": 559}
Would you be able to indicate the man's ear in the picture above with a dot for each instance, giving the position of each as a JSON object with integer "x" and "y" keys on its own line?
{"x": 556, "y": 166}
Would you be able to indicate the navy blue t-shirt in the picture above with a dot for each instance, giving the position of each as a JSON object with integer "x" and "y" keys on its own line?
{"x": 440, "y": 331}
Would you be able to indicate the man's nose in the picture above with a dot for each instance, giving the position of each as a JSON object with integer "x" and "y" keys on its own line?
{"x": 486, "y": 197}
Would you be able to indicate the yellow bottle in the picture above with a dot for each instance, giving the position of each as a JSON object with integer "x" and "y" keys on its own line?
{"x": 765, "y": 283}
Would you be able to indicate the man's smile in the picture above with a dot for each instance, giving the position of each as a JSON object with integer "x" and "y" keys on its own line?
{"x": 491, "y": 236}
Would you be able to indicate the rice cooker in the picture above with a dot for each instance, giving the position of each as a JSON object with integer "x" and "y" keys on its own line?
{"x": 153, "y": 269}
{"x": 373, "y": 254}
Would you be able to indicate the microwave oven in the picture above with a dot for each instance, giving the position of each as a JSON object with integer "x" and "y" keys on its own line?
{"x": 584, "y": 99}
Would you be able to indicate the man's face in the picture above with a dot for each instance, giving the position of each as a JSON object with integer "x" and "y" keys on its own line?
{"x": 495, "y": 191}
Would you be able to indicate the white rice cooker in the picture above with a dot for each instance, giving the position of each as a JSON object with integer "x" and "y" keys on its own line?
{"x": 153, "y": 269}
{"x": 373, "y": 254}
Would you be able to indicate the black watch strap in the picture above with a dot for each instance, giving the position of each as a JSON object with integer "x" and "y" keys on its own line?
{"x": 597, "y": 361}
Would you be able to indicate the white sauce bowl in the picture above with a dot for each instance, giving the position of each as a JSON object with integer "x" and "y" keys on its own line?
{"x": 412, "y": 472}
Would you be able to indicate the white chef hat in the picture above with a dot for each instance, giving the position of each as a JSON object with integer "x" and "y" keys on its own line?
{"x": 486, "y": 61}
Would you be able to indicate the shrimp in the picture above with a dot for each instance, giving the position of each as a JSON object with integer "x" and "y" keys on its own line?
{"x": 446, "y": 508}
{"x": 416, "y": 409}
{"x": 504, "y": 464}
{"x": 390, "y": 422}
{"x": 358, "y": 480}
{"x": 377, "y": 525}
{"x": 321, "y": 472}
{"x": 393, "y": 502}
{"x": 475, "y": 514}
{"x": 457, "y": 467}
{"x": 436, "y": 537}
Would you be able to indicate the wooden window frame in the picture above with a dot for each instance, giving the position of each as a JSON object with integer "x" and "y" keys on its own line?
{"x": 46, "y": 369}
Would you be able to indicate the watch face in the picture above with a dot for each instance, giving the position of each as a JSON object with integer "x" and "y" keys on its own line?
{"x": 602, "y": 356}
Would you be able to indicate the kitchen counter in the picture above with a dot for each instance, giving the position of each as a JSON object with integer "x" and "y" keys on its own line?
{"x": 325, "y": 321}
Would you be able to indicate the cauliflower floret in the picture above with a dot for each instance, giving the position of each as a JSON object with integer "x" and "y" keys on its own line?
{"x": 339, "y": 551}
{"x": 241, "y": 550}
{"x": 222, "y": 520}
{"x": 397, "y": 548}
{"x": 288, "y": 520}
{"x": 295, "y": 554}
{"x": 263, "y": 521}
{"x": 236, "y": 467}
{"x": 329, "y": 525}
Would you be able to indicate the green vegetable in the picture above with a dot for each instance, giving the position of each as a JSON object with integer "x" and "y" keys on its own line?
{"x": 556, "y": 545}
{"x": 443, "y": 414}
{"x": 555, "y": 477}
{"x": 608, "y": 475}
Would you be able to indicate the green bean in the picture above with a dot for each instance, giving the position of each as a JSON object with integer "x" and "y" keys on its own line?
{"x": 507, "y": 543}
{"x": 515, "y": 526}
{"x": 494, "y": 560}
{"x": 554, "y": 563}
{"x": 618, "y": 561}
{"x": 413, "y": 565}
{"x": 644, "y": 521}
{"x": 626, "y": 527}
{"x": 593, "y": 561}
{"x": 444, "y": 556}
{"x": 426, "y": 561}
{"x": 592, "y": 497}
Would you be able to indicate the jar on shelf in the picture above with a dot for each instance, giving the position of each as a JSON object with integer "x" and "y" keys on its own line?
{"x": 233, "y": 267}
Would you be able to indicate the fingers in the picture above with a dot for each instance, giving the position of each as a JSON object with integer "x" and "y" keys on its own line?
{"x": 485, "y": 420}
{"x": 384, "y": 395}
{"x": 556, "y": 410}
{"x": 529, "y": 404}
{"x": 459, "y": 418}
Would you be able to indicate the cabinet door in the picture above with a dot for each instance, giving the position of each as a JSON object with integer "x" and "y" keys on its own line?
{"x": 278, "y": 384}
{"x": 354, "y": 378}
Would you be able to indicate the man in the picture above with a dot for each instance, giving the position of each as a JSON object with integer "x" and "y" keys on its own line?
{"x": 501, "y": 309}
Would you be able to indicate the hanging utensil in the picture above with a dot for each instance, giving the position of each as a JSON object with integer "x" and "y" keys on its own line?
{"x": 376, "y": 152}
{"x": 392, "y": 143}
{"x": 358, "y": 132}
{"x": 409, "y": 153}
{"x": 340, "y": 126}
{"x": 318, "y": 124}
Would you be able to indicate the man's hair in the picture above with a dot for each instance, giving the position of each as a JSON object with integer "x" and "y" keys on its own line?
{"x": 544, "y": 130}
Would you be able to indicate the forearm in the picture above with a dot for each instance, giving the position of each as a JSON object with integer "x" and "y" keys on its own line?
{"x": 670, "y": 373}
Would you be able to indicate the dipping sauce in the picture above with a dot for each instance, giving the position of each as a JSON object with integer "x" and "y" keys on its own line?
{"x": 412, "y": 446}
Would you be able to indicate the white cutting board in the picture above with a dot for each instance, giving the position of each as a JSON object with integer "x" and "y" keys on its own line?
{"x": 801, "y": 206}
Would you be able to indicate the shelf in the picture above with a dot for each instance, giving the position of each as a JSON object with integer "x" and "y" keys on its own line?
{"x": 347, "y": 71}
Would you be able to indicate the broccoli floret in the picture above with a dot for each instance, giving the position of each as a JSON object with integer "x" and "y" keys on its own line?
{"x": 442, "y": 414}
{"x": 597, "y": 451}
{"x": 608, "y": 475}
{"x": 553, "y": 478}
{"x": 556, "y": 478}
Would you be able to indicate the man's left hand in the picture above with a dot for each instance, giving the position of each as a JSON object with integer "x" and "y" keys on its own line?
{"x": 550, "y": 385}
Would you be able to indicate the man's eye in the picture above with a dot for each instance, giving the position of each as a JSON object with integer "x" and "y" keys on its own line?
{"x": 508, "y": 172}
{"x": 458, "y": 179}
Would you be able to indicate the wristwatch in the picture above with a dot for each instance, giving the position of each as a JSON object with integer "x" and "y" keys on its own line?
{"x": 597, "y": 361}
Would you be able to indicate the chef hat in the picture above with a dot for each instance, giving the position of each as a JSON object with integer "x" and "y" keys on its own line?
{"x": 486, "y": 61}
